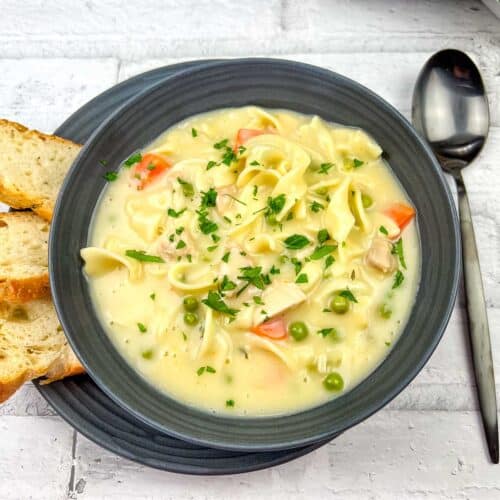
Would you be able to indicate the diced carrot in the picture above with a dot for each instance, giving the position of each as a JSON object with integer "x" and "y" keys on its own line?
{"x": 273, "y": 328}
{"x": 149, "y": 168}
{"x": 401, "y": 214}
{"x": 245, "y": 134}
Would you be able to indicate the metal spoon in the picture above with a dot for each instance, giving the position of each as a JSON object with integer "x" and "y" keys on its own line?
{"x": 450, "y": 110}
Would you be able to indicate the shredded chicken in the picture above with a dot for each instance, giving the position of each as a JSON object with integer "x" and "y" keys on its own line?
{"x": 380, "y": 257}
{"x": 224, "y": 199}
{"x": 279, "y": 297}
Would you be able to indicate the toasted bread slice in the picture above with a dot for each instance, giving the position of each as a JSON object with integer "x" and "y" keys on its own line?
{"x": 23, "y": 257}
{"x": 32, "y": 167}
{"x": 32, "y": 345}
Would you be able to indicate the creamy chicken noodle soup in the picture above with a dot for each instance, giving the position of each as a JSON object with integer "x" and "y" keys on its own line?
{"x": 254, "y": 261}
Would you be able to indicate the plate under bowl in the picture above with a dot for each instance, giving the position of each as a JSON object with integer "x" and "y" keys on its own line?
{"x": 274, "y": 84}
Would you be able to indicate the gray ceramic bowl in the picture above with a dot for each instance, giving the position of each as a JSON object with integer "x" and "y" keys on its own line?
{"x": 274, "y": 84}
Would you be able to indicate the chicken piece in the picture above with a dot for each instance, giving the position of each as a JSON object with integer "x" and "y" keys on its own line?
{"x": 224, "y": 200}
{"x": 380, "y": 256}
{"x": 279, "y": 297}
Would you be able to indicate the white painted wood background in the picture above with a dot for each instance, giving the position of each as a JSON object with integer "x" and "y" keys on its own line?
{"x": 428, "y": 443}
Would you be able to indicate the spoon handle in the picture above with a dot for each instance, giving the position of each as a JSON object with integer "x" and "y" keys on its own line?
{"x": 478, "y": 324}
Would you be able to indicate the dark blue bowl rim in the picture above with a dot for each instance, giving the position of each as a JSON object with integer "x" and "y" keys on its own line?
{"x": 58, "y": 298}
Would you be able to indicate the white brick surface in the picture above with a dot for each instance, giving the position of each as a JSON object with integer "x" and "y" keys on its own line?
{"x": 55, "y": 56}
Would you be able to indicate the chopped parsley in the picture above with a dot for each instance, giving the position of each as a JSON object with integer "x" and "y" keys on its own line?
{"x": 397, "y": 249}
{"x": 194, "y": 132}
{"x": 348, "y": 295}
{"x": 296, "y": 242}
{"x": 152, "y": 296}
{"x": 325, "y": 332}
{"x": 135, "y": 158}
{"x": 255, "y": 190}
{"x": 228, "y": 157}
{"x": 212, "y": 248}
{"x": 324, "y": 168}
{"x": 180, "y": 244}
{"x": 274, "y": 270}
{"x": 221, "y": 144}
{"x": 253, "y": 276}
{"x": 385, "y": 311}
{"x": 175, "y": 214}
{"x": 296, "y": 264}
{"x": 329, "y": 261}
{"x": 275, "y": 205}
{"x": 258, "y": 300}
{"x": 254, "y": 163}
{"x": 209, "y": 198}
{"x": 316, "y": 207}
{"x": 215, "y": 302}
{"x": 230, "y": 403}
{"x": 323, "y": 236}
{"x": 211, "y": 164}
{"x": 151, "y": 166}
{"x": 322, "y": 251}
{"x": 226, "y": 256}
{"x": 103, "y": 162}
{"x": 357, "y": 163}
{"x": 226, "y": 285}
{"x": 398, "y": 279}
{"x": 187, "y": 187}
{"x": 110, "y": 176}
{"x": 142, "y": 327}
{"x": 215, "y": 238}
{"x": 179, "y": 230}
{"x": 143, "y": 256}
{"x": 302, "y": 278}
{"x": 383, "y": 230}
{"x": 206, "y": 225}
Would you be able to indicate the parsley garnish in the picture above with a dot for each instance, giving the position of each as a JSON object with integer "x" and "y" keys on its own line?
{"x": 187, "y": 187}
{"x": 103, "y": 162}
{"x": 230, "y": 403}
{"x": 258, "y": 300}
{"x": 152, "y": 296}
{"x": 215, "y": 302}
{"x": 221, "y": 144}
{"x": 296, "y": 242}
{"x": 383, "y": 230}
{"x": 151, "y": 166}
{"x": 357, "y": 163}
{"x": 255, "y": 190}
{"x": 398, "y": 279}
{"x": 228, "y": 157}
{"x": 180, "y": 244}
{"x": 212, "y": 248}
{"x": 274, "y": 270}
{"x": 254, "y": 163}
{"x": 324, "y": 168}
{"x": 296, "y": 264}
{"x": 302, "y": 278}
{"x": 348, "y": 295}
{"x": 226, "y": 285}
{"x": 147, "y": 354}
{"x": 397, "y": 249}
{"x": 329, "y": 261}
{"x": 226, "y": 256}
{"x": 275, "y": 205}
{"x": 204, "y": 223}
{"x": 142, "y": 327}
{"x": 194, "y": 132}
{"x": 143, "y": 256}
{"x": 316, "y": 207}
{"x": 327, "y": 331}
{"x": 322, "y": 251}
{"x": 323, "y": 236}
{"x": 110, "y": 176}
{"x": 209, "y": 198}
{"x": 173, "y": 213}
{"x": 135, "y": 158}
{"x": 215, "y": 238}
{"x": 211, "y": 164}
{"x": 179, "y": 230}
{"x": 253, "y": 276}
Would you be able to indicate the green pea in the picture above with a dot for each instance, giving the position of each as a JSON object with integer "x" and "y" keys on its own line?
{"x": 298, "y": 330}
{"x": 366, "y": 200}
{"x": 339, "y": 304}
{"x": 333, "y": 382}
{"x": 190, "y": 303}
{"x": 190, "y": 318}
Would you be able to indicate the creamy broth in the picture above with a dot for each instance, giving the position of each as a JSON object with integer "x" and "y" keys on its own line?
{"x": 254, "y": 261}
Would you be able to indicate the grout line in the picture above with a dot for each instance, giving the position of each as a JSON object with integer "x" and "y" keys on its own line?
{"x": 71, "y": 484}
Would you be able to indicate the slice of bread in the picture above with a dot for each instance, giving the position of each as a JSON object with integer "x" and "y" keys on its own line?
{"x": 32, "y": 167}
{"x": 23, "y": 257}
{"x": 32, "y": 345}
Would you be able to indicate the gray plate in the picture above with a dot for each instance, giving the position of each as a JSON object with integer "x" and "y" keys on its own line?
{"x": 83, "y": 405}
{"x": 274, "y": 84}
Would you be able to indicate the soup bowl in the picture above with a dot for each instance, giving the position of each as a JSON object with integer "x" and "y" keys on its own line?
{"x": 272, "y": 84}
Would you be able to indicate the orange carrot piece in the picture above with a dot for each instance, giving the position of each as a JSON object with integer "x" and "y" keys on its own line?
{"x": 150, "y": 168}
{"x": 401, "y": 214}
{"x": 273, "y": 328}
